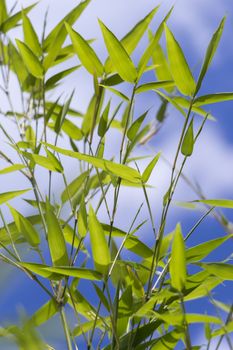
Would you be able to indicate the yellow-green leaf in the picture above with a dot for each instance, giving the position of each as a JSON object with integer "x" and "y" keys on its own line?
{"x": 213, "y": 98}
{"x": 12, "y": 21}
{"x": 99, "y": 246}
{"x": 25, "y": 227}
{"x": 188, "y": 141}
{"x": 222, "y": 203}
{"x": 178, "y": 261}
{"x": 44, "y": 313}
{"x": 154, "y": 86}
{"x": 147, "y": 172}
{"x": 6, "y": 196}
{"x": 179, "y": 66}
{"x": 51, "y": 162}
{"x": 86, "y": 54}
{"x": 82, "y": 219}
{"x": 221, "y": 270}
{"x": 12, "y": 168}
{"x": 119, "y": 56}
{"x": 30, "y": 36}
{"x": 30, "y": 60}
{"x": 56, "y": 241}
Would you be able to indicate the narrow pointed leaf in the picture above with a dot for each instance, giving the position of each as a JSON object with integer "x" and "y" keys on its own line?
{"x": 133, "y": 129}
{"x": 25, "y": 227}
{"x": 30, "y": 60}
{"x": 212, "y": 47}
{"x": 103, "y": 123}
{"x": 154, "y": 86}
{"x": 44, "y": 313}
{"x": 213, "y": 98}
{"x": 119, "y": 56}
{"x": 116, "y": 92}
{"x": 11, "y": 22}
{"x": 178, "y": 262}
{"x": 56, "y": 241}
{"x": 188, "y": 141}
{"x": 52, "y": 81}
{"x": 99, "y": 246}
{"x": 3, "y": 11}
{"x": 150, "y": 167}
{"x": 6, "y": 196}
{"x": 131, "y": 40}
{"x": 222, "y": 203}
{"x": 74, "y": 187}
{"x": 86, "y": 54}
{"x": 82, "y": 219}
{"x": 12, "y": 168}
{"x": 116, "y": 169}
{"x": 179, "y": 66}
{"x": 30, "y": 36}
{"x": 46, "y": 162}
{"x": 221, "y": 270}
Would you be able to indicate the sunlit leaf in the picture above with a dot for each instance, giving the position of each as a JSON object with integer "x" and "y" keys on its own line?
{"x": 154, "y": 86}
{"x": 221, "y": 270}
{"x": 150, "y": 167}
{"x": 119, "y": 56}
{"x": 222, "y": 203}
{"x": 12, "y": 168}
{"x": 56, "y": 241}
{"x": 99, "y": 246}
{"x": 6, "y": 196}
{"x": 135, "y": 126}
{"x": 12, "y": 21}
{"x": 188, "y": 141}
{"x": 30, "y": 60}
{"x": 178, "y": 65}
{"x": 45, "y": 312}
{"x": 213, "y": 98}
{"x": 178, "y": 262}
{"x": 30, "y": 36}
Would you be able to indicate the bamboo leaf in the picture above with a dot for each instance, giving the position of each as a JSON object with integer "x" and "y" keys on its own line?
{"x": 200, "y": 251}
{"x": 30, "y": 60}
{"x": 102, "y": 297}
{"x": 30, "y": 36}
{"x": 178, "y": 65}
{"x": 3, "y": 11}
{"x": 74, "y": 187}
{"x": 56, "y": 241}
{"x": 103, "y": 123}
{"x": 72, "y": 130}
{"x": 226, "y": 329}
{"x": 221, "y": 270}
{"x": 131, "y": 40}
{"x": 116, "y": 169}
{"x": 133, "y": 129}
{"x": 222, "y": 203}
{"x": 25, "y": 227}
{"x": 59, "y": 272}
{"x": 154, "y": 86}
{"x": 59, "y": 29}
{"x": 212, "y": 47}
{"x": 85, "y": 53}
{"x": 150, "y": 167}
{"x": 82, "y": 219}
{"x": 44, "y": 313}
{"x": 99, "y": 246}
{"x": 213, "y": 98}
{"x": 11, "y": 22}
{"x": 6, "y": 196}
{"x": 188, "y": 141}
{"x": 50, "y": 163}
{"x": 116, "y": 92}
{"x": 119, "y": 56}
{"x": 12, "y": 168}
{"x": 167, "y": 341}
{"x": 52, "y": 81}
{"x": 178, "y": 262}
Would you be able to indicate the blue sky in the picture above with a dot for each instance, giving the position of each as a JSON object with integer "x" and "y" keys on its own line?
{"x": 193, "y": 22}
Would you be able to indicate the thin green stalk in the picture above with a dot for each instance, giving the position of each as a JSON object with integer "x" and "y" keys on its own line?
{"x": 66, "y": 328}
{"x": 186, "y": 327}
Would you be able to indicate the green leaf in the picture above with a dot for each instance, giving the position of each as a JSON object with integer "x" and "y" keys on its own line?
{"x": 3, "y": 11}
{"x": 212, "y": 47}
{"x": 44, "y": 313}
{"x": 178, "y": 262}
{"x": 30, "y": 36}
{"x": 99, "y": 246}
{"x": 188, "y": 141}
{"x": 147, "y": 172}
{"x": 154, "y": 86}
{"x": 25, "y": 227}
{"x": 30, "y": 60}
{"x": 74, "y": 187}
{"x": 56, "y": 241}
{"x": 103, "y": 123}
{"x": 186, "y": 104}
{"x": 116, "y": 169}
{"x": 6, "y": 196}
{"x": 178, "y": 65}
{"x": 176, "y": 318}
{"x": 222, "y": 203}
{"x": 119, "y": 56}
{"x": 221, "y": 270}
{"x": 50, "y": 83}
{"x": 72, "y": 130}
{"x": 133, "y": 129}
{"x": 102, "y": 297}
{"x": 226, "y": 329}
{"x": 62, "y": 114}
{"x": 116, "y": 92}
{"x": 86, "y": 54}
{"x": 131, "y": 40}
{"x": 50, "y": 163}
{"x": 82, "y": 219}
{"x": 213, "y": 98}
{"x": 12, "y": 168}
{"x": 167, "y": 341}
{"x": 60, "y": 30}
{"x": 59, "y": 272}
{"x": 152, "y": 45}
{"x": 200, "y": 251}
{"x": 11, "y": 22}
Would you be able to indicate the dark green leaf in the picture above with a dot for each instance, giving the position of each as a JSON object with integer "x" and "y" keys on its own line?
{"x": 188, "y": 141}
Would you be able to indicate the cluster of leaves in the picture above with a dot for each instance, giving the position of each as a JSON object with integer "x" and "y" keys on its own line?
{"x": 142, "y": 302}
